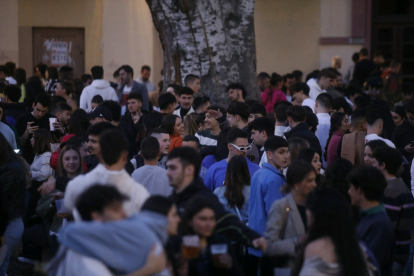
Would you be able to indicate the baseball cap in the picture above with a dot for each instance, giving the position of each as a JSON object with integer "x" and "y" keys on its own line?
{"x": 101, "y": 111}
{"x": 374, "y": 82}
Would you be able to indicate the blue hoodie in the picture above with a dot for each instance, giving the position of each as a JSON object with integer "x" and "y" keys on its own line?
{"x": 123, "y": 246}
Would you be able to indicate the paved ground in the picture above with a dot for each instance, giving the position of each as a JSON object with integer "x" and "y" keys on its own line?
{"x": 17, "y": 268}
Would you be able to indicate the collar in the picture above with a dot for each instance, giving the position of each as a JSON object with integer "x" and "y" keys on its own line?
{"x": 372, "y": 211}
{"x": 323, "y": 115}
{"x": 272, "y": 168}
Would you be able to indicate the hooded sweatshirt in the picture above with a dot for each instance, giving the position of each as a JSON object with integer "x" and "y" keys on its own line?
{"x": 97, "y": 87}
{"x": 122, "y": 246}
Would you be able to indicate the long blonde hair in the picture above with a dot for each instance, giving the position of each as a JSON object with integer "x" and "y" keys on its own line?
{"x": 191, "y": 124}
{"x": 61, "y": 170}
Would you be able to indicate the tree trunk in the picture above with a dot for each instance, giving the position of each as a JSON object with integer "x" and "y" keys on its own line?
{"x": 213, "y": 39}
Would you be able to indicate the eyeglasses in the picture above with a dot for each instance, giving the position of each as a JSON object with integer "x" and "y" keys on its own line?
{"x": 249, "y": 147}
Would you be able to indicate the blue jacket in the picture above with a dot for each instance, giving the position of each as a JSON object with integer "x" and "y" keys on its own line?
{"x": 216, "y": 174}
{"x": 265, "y": 189}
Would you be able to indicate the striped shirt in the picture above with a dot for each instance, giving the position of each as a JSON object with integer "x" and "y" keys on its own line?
{"x": 206, "y": 138}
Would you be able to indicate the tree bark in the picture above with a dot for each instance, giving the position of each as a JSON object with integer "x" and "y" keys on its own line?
{"x": 213, "y": 39}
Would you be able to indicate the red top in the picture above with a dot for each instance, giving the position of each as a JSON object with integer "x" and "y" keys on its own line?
{"x": 176, "y": 142}
{"x": 269, "y": 101}
{"x": 55, "y": 155}
{"x": 333, "y": 146}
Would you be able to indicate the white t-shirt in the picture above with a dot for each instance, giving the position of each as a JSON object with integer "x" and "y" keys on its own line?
{"x": 309, "y": 102}
{"x": 376, "y": 137}
{"x": 126, "y": 91}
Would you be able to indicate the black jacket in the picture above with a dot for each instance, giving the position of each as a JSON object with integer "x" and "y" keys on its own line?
{"x": 402, "y": 136}
{"x": 227, "y": 224}
{"x": 13, "y": 186}
{"x": 302, "y": 130}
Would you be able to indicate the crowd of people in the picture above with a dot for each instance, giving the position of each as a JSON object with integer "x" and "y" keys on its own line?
{"x": 122, "y": 178}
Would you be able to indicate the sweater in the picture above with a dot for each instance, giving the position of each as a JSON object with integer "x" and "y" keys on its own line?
{"x": 206, "y": 138}
{"x": 97, "y": 87}
{"x": 8, "y": 134}
{"x": 176, "y": 141}
{"x": 375, "y": 230}
{"x": 154, "y": 179}
{"x": 333, "y": 146}
{"x": 100, "y": 175}
{"x": 314, "y": 88}
{"x": 40, "y": 167}
{"x": 265, "y": 189}
{"x": 269, "y": 101}
{"x": 399, "y": 204}
{"x": 216, "y": 174}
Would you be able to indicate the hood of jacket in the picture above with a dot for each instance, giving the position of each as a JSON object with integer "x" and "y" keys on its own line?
{"x": 100, "y": 84}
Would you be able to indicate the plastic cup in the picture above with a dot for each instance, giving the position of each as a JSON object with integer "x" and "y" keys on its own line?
{"x": 216, "y": 251}
{"x": 60, "y": 206}
{"x": 51, "y": 121}
{"x": 191, "y": 246}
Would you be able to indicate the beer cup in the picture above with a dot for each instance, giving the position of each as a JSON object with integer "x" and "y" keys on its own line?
{"x": 216, "y": 251}
{"x": 191, "y": 247}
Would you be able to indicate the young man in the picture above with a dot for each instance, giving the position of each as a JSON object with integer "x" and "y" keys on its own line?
{"x": 319, "y": 85}
{"x": 201, "y": 104}
{"x": 236, "y": 92}
{"x": 183, "y": 167}
{"x": 375, "y": 125}
{"x": 164, "y": 140}
{"x": 363, "y": 67}
{"x": 238, "y": 115}
{"x": 288, "y": 82}
{"x": 128, "y": 85}
{"x": 323, "y": 106}
{"x": 133, "y": 119}
{"x": 209, "y": 136}
{"x": 99, "y": 86}
{"x": 13, "y": 109}
{"x": 100, "y": 114}
{"x": 373, "y": 87}
{"x": 375, "y": 230}
{"x": 62, "y": 111}
{"x": 301, "y": 95}
{"x": 192, "y": 142}
{"x": 238, "y": 145}
{"x": 144, "y": 79}
{"x": 30, "y": 122}
{"x": 297, "y": 117}
{"x": 281, "y": 120}
{"x": 94, "y": 132}
{"x": 261, "y": 129}
{"x": 151, "y": 176}
{"x": 407, "y": 92}
{"x": 105, "y": 225}
{"x": 113, "y": 155}
{"x": 263, "y": 81}
{"x": 186, "y": 101}
{"x": 266, "y": 184}
{"x": 399, "y": 203}
{"x": 193, "y": 82}
{"x": 256, "y": 111}
{"x": 167, "y": 103}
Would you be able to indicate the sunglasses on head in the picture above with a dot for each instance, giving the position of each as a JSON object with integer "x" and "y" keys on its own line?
{"x": 249, "y": 147}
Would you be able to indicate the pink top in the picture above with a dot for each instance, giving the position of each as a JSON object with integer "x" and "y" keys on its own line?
{"x": 333, "y": 146}
{"x": 269, "y": 102}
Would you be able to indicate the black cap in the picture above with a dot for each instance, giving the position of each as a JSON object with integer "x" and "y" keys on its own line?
{"x": 102, "y": 112}
{"x": 374, "y": 82}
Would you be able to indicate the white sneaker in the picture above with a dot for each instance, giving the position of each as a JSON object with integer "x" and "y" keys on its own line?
{"x": 25, "y": 260}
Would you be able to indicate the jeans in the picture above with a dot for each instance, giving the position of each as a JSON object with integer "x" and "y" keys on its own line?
{"x": 12, "y": 236}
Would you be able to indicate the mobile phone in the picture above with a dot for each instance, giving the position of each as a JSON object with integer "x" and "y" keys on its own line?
{"x": 16, "y": 150}
{"x": 34, "y": 123}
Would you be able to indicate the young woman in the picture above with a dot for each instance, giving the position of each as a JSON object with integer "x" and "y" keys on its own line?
{"x": 339, "y": 126}
{"x": 331, "y": 247}
{"x": 174, "y": 126}
{"x": 52, "y": 76}
{"x": 199, "y": 219}
{"x": 192, "y": 124}
{"x": 12, "y": 186}
{"x": 398, "y": 115}
{"x": 296, "y": 144}
{"x": 370, "y": 148}
{"x": 235, "y": 193}
{"x": 274, "y": 94}
{"x": 66, "y": 90}
{"x": 40, "y": 169}
{"x": 286, "y": 222}
{"x": 79, "y": 123}
{"x": 311, "y": 156}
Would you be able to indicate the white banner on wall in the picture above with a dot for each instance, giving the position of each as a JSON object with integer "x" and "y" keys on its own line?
{"x": 59, "y": 53}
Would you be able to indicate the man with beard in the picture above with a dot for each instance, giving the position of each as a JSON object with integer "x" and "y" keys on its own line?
{"x": 62, "y": 111}
{"x": 236, "y": 92}
{"x": 128, "y": 85}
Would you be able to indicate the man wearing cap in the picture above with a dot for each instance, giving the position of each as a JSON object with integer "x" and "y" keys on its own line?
{"x": 373, "y": 87}
{"x": 100, "y": 114}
